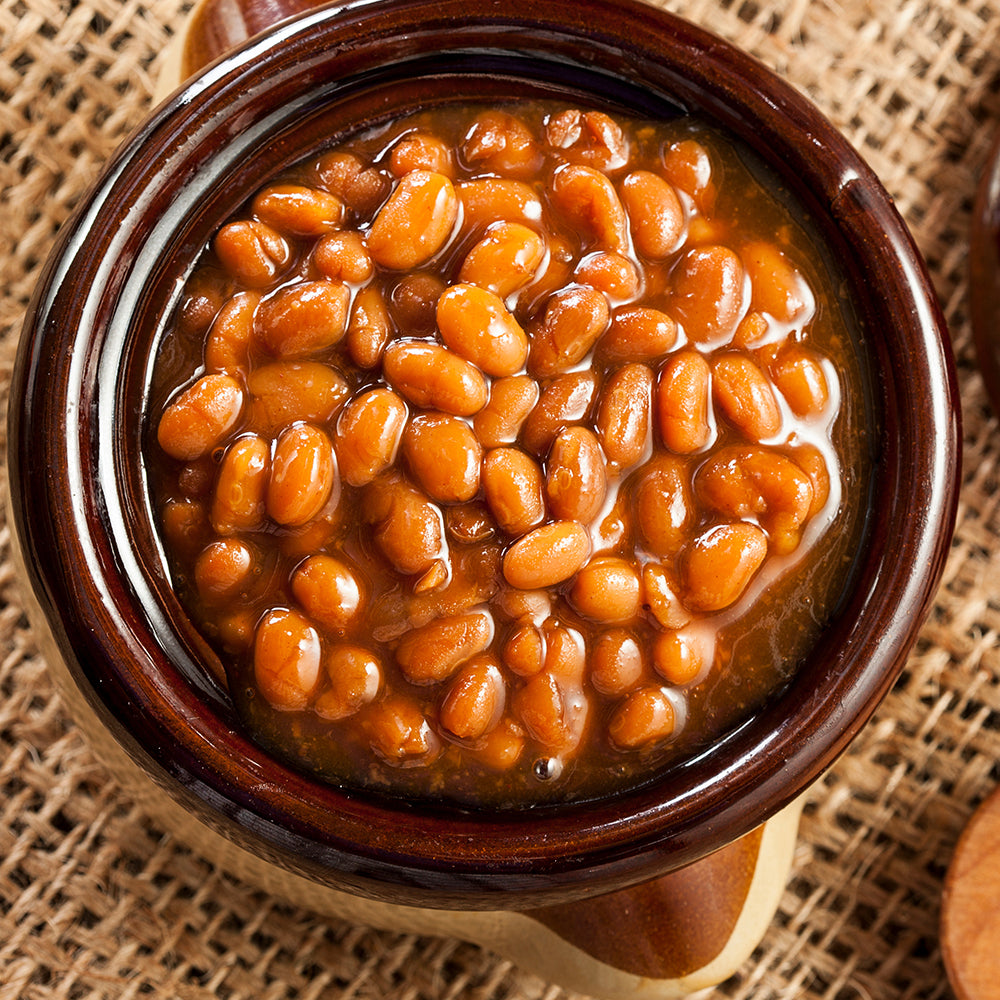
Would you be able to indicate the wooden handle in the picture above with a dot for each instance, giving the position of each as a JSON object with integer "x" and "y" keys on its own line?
{"x": 666, "y": 928}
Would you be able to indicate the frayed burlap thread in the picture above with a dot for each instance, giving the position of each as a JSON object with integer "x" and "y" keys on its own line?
{"x": 96, "y": 903}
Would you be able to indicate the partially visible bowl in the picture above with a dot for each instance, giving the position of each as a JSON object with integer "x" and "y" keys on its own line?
{"x": 79, "y": 502}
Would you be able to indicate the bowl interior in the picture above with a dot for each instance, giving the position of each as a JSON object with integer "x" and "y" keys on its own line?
{"x": 114, "y": 280}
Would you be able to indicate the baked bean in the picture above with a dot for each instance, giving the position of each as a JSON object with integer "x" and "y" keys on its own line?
{"x": 524, "y": 651}
{"x": 778, "y": 288}
{"x": 707, "y": 293}
{"x": 286, "y": 659}
{"x": 547, "y": 555}
{"x": 574, "y": 318}
{"x": 757, "y": 482}
{"x": 284, "y": 392}
{"x": 298, "y": 210}
{"x": 553, "y": 711}
{"x": 705, "y": 232}
{"x": 421, "y": 151}
{"x": 811, "y": 461}
{"x": 511, "y": 400}
{"x": 477, "y": 326}
{"x": 300, "y": 541}
{"x": 675, "y": 659}
{"x": 523, "y": 605}
{"x": 251, "y": 252}
{"x": 329, "y": 591}
{"x": 434, "y": 378}
{"x": 607, "y": 590}
{"x": 303, "y": 319}
{"x": 622, "y": 421}
{"x": 413, "y": 303}
{"x": 408, "y": 527}
{"x": 369, "y": 328}
{"x": 501, "y": 748}
{"x": 751, "y": 331}
{"x": 239, "y": 502}
{"x": 227, "y": 346}
{"x": 416, "y": 221}
{"x": 589, "y": 200}
{"x": 185, "y": 527}
{"x": 611, "y": 273}
{"x": 686, "y": 165}
{"x": 223, "y": 569}
{"x": 434, "y": 652}
{"x": 743, "y": 394}
{"x": 368, "y": 433}
{"x": 400, "y": 732}
{"x": 554, "y": 273}
{"x": 354, "y": 675}
{"x": 798, "y": 375}
{"x": 202, "y": 300}
{"x": 637, "y": 333}
{"x": 566, "y": 400}
{"x": 616, "y": 665}
{"x": 303, "y": 475}
{"x": 613, "y": 529}
{"x": 361, "y": 188}
{"x": 475, "y": 700}
{"x": 199, "y": 418}
{"x": 236, "y": 633}
{"x": 444, "y": 456}
{"x": 719, "y": 563}
{"x": 197, "y": 478}
{"x": 434, "y": 578}
{"x": 488, "y": 200}
{"x": 513, "y": 486}
{"x": 654, "y": 213}
{"x": 682, "y": 403}
{"x": 662, "y": 505}
{"x": 503, "y": 144}
{"x": 644, "y": 716}
{"x": 590, "y": 137}
{"x": 565, "y": 651}
{"x": 504, "y": 260}
{"x": 520, "y": 605}
{"x": 468, "y": 523}
{"x": 576, "y": 481}
{"x": 343, "y": 256}
{"x": 660, "y": 593}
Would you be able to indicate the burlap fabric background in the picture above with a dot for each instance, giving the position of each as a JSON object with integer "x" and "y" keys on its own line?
{"x": 97, "y": 903}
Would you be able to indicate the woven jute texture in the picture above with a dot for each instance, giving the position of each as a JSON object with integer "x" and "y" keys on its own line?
{"x": 96, "y": 902}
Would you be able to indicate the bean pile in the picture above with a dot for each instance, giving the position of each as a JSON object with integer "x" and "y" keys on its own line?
{"x": 477, "y": 433}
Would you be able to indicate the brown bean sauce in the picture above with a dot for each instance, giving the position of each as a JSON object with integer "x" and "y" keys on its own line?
{"x": 510, "y": 455}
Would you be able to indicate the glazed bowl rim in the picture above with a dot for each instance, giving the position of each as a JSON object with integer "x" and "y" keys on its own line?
{"x": 456, "y": 853}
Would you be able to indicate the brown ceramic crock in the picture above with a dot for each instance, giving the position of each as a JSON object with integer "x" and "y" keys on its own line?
{"x": 657, "y": 891}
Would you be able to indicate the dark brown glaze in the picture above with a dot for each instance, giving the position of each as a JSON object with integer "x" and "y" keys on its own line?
{"x": 668, "y": 927}
{"x": 81, "y": 513}
{"x": 984, "y": 274}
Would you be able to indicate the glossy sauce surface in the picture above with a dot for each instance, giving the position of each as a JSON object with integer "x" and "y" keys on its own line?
{"x": 509, "y": 455}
